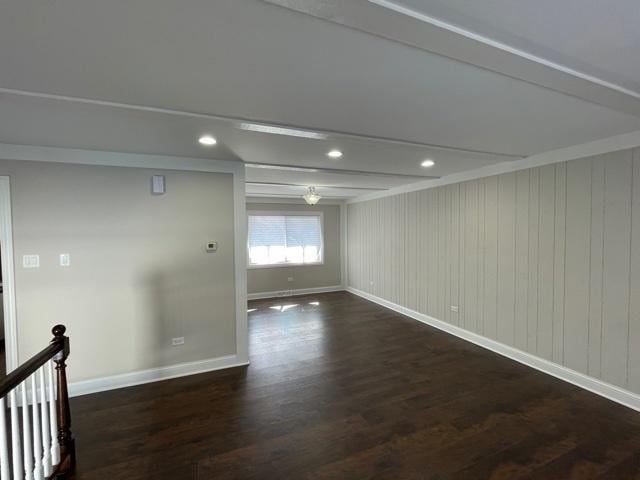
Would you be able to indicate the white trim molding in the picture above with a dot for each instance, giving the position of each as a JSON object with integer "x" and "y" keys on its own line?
{"x": 8, "y": 276}
{"x": 616, "y": 394}
{"x": 294, "y": 293}
{"x": 616, "y": 143}
{"x": 140, "y": 377}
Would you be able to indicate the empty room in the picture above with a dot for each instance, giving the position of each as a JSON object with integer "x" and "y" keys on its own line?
{"x": 319, "y": 239}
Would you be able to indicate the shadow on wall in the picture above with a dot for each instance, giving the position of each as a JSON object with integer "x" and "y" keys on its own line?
{"x": 186, "y": 316}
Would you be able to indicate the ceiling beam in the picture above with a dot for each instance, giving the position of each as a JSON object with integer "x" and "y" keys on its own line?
{"x": 285, "y": 184}
{"x": 237, "y": 121}
{"x": 388, "y": 19}
{"x": 340, "y": 171}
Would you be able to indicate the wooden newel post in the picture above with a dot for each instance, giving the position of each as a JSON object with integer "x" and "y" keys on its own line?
{"x": 65, "y": 437}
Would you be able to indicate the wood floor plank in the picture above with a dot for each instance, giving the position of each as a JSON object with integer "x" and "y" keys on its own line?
{"x": 341, "y": 388}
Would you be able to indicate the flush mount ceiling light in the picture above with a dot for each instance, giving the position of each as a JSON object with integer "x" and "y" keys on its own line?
{"x": 291, "y": 132}
{"x": 428, "y": 163}
{"x": 207, "y": 140}
{"x": 311, "y": 197}
{"x": 334, "y": 154}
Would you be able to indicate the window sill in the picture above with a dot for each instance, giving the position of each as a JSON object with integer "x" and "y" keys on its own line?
{"x": 281, "y": 265}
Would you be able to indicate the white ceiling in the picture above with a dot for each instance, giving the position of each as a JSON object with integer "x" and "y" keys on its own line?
{"x": 599, "y": 38}
{"x": 202, "y": 66}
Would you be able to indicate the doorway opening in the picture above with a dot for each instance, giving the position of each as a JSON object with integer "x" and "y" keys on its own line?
{"x": 8, "y": 337}
{"x": 3, "y": 361}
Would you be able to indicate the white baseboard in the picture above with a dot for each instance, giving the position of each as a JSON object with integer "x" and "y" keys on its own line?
{"x": 617, "y": 394}
{"x": 293, "y": 293}
{"x": 153, "y": 375}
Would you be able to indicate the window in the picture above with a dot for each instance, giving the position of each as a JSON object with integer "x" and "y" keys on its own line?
{"x": 284, "y": 239}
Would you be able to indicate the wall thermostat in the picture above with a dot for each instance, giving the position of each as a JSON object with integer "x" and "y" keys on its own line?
{"x": 212, "y": 246}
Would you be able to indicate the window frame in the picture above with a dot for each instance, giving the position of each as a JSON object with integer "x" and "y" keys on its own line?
{"x": 287, "y": 213}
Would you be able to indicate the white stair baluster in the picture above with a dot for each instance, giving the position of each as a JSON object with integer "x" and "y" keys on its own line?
{"x": 26, "y": 427}
{"x": 53, "y": 417}
{"x": 16, "y": 441}
{"x": 4, "y": 450}
{"x": 37, "y": 438}
{"x": 45, "y": 430}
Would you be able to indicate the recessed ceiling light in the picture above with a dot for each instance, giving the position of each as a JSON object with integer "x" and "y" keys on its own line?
{"x": 428, "y": 163}
{"x": 207, "y": 140}
{"x": 334, "y": 154}
{"x": 291, "y": 132}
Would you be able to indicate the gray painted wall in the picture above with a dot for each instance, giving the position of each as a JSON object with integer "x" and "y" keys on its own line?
{"x": 546, "y": 260}
{"x": 139, "y": 273}
{"x": 312, "y": 276}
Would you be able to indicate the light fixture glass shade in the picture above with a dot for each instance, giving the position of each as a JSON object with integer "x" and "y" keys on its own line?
{"x": 311, "y": 197}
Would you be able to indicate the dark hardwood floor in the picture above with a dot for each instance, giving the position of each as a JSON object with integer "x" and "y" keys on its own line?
{"x": 340, "y": 388}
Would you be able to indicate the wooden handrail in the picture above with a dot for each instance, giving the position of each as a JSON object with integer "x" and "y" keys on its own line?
{"x": 57, "y": 351}
{"x": 27, "y": 369}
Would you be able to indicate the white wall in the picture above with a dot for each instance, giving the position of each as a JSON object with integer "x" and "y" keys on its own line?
{"x": 546, "y": 260}
{"x": 139, "y": 273}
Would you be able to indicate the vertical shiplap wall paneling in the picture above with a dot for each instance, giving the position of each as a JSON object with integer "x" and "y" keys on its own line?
{"x": 454, "y": 264}
{"x": 446, "y": 261}
{"x": 546, "y": 246}
{"x": 395, "y": 233}
{"x": 462, "y": 316}
{"x": 403, "y": 294}
{"x": 534, "y": 267}
{"x": 482, "y": 206}
{"x": 431, "y": 197}
{"x": 470, "y": 256}
{"x": 521, "y": 260}
{"x": 558, "y": 262}
{"x": 388, "y": 254}
{"x": 505, "y": 331}
{"x": 441, "y": 249}
{"x": 633, "y": 362}
{"x": 617, "y": 236}
{"x": 381, "y": 246}
{"x": 546, "y": 260}
{"x": 424, "y": 246}
{"x": 578, "y": 268}
{"x": 491, "y": 257}
{"x": 357, "y": 231}
{"x": 411, "y": 255}
{"x": 594, "y": 357}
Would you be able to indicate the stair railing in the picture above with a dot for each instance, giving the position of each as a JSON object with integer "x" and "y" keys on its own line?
{"x": 35, "y": 415}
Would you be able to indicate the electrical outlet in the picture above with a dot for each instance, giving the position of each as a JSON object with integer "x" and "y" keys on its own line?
{"x": 454, "y": 308}
{"x": 31, "y": 261}
{"x": 177, "y": 341}
{"x": 289, "y": 279}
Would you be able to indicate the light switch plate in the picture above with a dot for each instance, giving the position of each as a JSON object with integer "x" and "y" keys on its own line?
{"x": 31, "y": 261}
{"x": 454, "y": 308}
{"x": 177, "y": 341}
{"x": 65, "y": 259}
